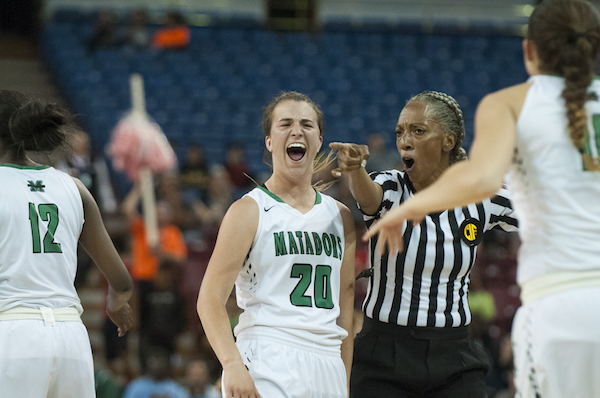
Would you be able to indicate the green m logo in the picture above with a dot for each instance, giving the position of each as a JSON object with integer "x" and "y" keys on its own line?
{"x": 37, "y": 186}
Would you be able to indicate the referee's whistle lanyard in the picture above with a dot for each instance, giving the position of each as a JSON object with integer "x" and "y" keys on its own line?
{"x": 365, "y": 273}
{"x": 368, "y": 272}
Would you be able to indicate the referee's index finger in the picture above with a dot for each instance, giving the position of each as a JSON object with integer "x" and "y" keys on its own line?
{"x": 352, "y": 150}
{"x": 340, "y": 146}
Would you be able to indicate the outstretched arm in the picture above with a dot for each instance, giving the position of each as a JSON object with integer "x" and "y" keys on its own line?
{"x": 97, "y": 243}
{"x": 233, "y": 243}
{"x": 345, "y": 320}
{"x": 468, "y": 181}
{"x": 351, "y": 160}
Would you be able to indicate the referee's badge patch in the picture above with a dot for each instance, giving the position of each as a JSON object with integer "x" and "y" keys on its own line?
{"x": 471, "y": 231}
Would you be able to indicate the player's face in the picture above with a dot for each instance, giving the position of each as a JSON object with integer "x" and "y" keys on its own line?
{"x": 422, "y": 145}
{"x": 295, "y": 137}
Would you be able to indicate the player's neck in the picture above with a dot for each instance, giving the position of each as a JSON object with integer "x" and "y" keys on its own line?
{"x": 11, "y": 158}
{"x": 299, "y": 196}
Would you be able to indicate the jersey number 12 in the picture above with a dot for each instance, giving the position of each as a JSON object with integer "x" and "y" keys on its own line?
{"x": 48, "y": 212}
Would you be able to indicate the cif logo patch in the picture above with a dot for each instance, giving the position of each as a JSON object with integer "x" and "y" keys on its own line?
{"x": 471, "y": 231}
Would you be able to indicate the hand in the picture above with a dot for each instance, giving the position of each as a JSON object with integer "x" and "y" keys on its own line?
{"x": 237, "y": 382}
{"x": 389, "y": 228}
{"x": 122, "y": 317}
{"x": 350, "y": 157}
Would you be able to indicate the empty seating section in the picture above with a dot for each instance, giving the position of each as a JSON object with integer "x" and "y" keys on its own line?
{"x": 213, "y": 92}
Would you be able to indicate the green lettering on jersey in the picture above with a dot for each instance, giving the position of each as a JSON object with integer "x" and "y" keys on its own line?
{"x": 339, "y": 241}
{"x": 280, "y": 248}
{"x": 327, "y": 244}
{"x": 309, "y": 248}
{"x": 299, "y": 235}
{"x": 334, "y": 245}
{"x": 318, "y": 245}
{"x": 293, "y": 246}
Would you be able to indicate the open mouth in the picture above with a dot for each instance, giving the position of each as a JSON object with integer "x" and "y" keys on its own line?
{"x": 408, "y": 163}
{"x": 296, "y": 151}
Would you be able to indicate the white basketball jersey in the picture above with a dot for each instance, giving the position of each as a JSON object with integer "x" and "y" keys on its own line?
{"x": 291, "y": 277}
{"x": 41, "y": 217}
{"x": 557, "y": 202}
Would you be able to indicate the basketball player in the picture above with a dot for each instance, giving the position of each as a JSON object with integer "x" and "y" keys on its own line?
{"x": 44, "y": 347}
{"x": 290, "y": 252}
{"x": 414, "y": 341}
{"x": 545, "y": 132}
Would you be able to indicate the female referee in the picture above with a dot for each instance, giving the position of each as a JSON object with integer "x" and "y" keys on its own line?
{"x": 414, "y": 339}
{"x": 545, "y": 133}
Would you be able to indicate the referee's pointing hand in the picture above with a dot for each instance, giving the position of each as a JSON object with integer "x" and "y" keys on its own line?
{"x": 350, "y": 157}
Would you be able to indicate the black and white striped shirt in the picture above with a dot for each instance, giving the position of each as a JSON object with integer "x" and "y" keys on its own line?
{"x": 426, "y": 284}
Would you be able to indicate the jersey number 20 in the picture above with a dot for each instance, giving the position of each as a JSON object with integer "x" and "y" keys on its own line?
{"x": 48, "y": 212}
{"x": 322, "y": 286}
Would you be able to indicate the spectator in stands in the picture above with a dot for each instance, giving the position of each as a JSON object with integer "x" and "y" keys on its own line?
{"x": 218, "y": 199}
{"x": 168, "y": 189}
{"x": 238, "y": 169}
{"x": 146, "y": 260}
{"x": 137, "y": 35}
{"x": 198, "y": 380}
{"x": 105, "y": 32}
{"x": 173, "y": 35}
{"x": 165, "y": 308}
{"x": 157, "y": 381}
{"x": 92, "y": 170}
{"x": 381, "y": 157}
{"x": 194, "y": 175}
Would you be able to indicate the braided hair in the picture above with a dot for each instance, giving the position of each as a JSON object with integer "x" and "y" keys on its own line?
{"x": 448, "y": 114}
{"x": 566, "y": 34}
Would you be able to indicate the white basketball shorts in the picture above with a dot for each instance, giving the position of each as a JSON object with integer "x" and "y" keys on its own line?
{"x": 284, "y": 366}
{"x": 556, "y": 345}
{"x": 45, "y": 361}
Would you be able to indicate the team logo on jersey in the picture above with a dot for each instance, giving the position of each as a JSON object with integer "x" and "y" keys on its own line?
{"x": 471, "y": 231}
{"x": 37, "y": 186}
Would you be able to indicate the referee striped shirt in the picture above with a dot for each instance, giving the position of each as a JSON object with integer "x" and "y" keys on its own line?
{"x": 426, "y": 284}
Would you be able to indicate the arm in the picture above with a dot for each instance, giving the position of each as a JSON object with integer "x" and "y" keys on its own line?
{"x": 468, "y": 181}
{"x": 131, "y": 201}
{"x": 351, "y": 160}
{"x": 233, "y": 243}
{"x": 345, "y": 320}
{"x": 97, "y": 243}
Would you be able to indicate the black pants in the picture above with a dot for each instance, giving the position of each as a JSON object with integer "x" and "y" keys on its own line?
{"x": 393, "y": 361}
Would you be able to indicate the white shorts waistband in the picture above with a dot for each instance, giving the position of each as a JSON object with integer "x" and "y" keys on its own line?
{"x": 49, "y": 315}
{"x": 543, "y": 286}
{"x": 282, "y": 337}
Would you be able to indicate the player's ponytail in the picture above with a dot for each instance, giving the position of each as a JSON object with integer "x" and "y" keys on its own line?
{"x": 39, "y": 127}
{"x": 31, "y": 125}
{"x": 566, "y": 34}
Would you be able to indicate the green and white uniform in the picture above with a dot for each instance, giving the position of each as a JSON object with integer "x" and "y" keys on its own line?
{"x": 557, "y": 201}
{"x": 289, "y": 289}
{"x": 41, "y": 218}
